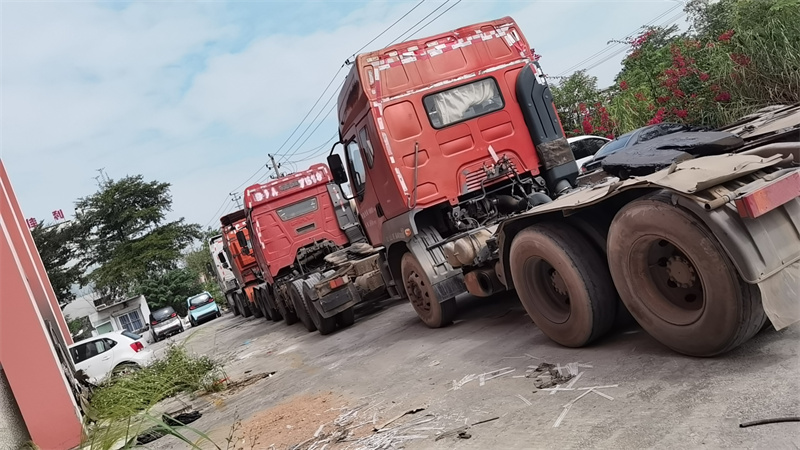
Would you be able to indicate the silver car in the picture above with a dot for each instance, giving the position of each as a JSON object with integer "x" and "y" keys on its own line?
{"x": 164, "y": 322}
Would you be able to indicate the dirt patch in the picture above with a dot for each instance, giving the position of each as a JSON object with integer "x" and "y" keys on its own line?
{"x": 289, "y": 423}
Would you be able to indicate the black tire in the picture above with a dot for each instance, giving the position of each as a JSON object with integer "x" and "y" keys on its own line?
{"x": 284, "y": 308}
{"x": 255, "y": 307}
{"x": 296, "y": 294}
{"x": 232, "y": 304}
{"x": 563, "y": 282}
{"x": 677, "y": 281}
{"x": 271, "y": 306}
{"x": 346, "y": 318}
{"x": 124, "y": 368}
{"x": 155, "y": 338}
{"x": 434, "y": 313}
{"x": 219, "y": 313}
{"x": 324, "y": 325}
{"x": 262, "y": 307}
{"x": 192, "y": 322}
{"x": 244, "y": 305}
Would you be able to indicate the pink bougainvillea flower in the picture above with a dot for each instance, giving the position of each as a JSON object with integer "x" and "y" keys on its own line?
{"x": 623, "y": 85}
{"x": 658, "y": 118}
{"x": 703, "y": 76}
{"x": 740, "y": 59}
{"x": 722, "y": 97}
{"x": 682, "y": 113}
{"x": 726, "y": 36}
{"x": 639, "y": 96}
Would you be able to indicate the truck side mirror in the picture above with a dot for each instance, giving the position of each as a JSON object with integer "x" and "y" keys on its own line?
{"x": 242, "y": 242}
{"x": 337, "y": 169}
{"x": 222, "y": 260}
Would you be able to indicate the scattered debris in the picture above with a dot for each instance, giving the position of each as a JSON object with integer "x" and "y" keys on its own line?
{"x": 462, "y": 429}
{"x": 410, "y": 411}
{"x": 562, "y": 415}
{"x": 547, "y": 375}
{"x": 458, "y": 384}
{"x": 153, "y": 433}
{"x": 527, "y": 402}
{"x": 464, "y": 435}
{"x": 433, "y": 363}
{"x": 766, "y": 421}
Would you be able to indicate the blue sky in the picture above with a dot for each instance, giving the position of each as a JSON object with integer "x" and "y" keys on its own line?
{"x": 197, "y": 94}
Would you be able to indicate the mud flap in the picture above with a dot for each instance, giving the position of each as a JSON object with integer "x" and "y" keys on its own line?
{"x": 779, "y": 296}
{"x": 337, "y": 301}
{"x": 447, "y": 281}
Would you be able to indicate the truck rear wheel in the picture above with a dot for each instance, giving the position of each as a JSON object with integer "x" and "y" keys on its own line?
{"x": 296, "y": 294}
{"x": 422, "y": 295}
{"x": 271, "y": 305}
{"x": 563, "y": 282}
{"x": 677, "y": 281}
{"x": 255, "y": 306}
{"x": 284, "y": 308}
{"x": 262, "y": 305}
{"x": 324, "y": 325}
{"x": 244, "y": 305}
{"x": 346, "y": 318}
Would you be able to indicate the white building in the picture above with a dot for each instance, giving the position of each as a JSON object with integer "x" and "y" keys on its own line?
{"x": 105, "y": 315}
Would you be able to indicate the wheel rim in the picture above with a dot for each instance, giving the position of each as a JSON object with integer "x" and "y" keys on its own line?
{"x": 418, "y": 292}
{"x": 673, "y": 285}
{"x": 545, "y": 283}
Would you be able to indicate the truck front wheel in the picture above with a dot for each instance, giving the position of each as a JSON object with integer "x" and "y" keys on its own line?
{"x": 563, "y": 283}
{"x": 677, "y": 281}
{"x": 422, "y": 295}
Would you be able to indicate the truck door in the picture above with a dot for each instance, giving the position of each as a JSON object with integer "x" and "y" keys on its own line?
{"x": 360, "y": 159}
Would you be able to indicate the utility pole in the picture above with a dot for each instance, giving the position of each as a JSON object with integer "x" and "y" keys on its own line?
{"x": 275, "y": 167}
{"x": 236, "y": 198}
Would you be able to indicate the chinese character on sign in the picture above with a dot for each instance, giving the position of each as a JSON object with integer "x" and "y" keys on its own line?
{"x": 58, "y": 214}
{"x": 31, "y": 223}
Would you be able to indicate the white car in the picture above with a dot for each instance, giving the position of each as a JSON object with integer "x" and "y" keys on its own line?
{"x": 100, "y": 356}
{"x": 584, "y": 148}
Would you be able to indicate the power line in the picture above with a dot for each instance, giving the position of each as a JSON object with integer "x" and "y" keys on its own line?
{"x": 403, "y": 35}
{"x": 669, "y": 21}
{"x": 610, "y": 45}
{"x": 216, "y": 216}
{"x": 432, "y": 20}
{"x": 388, "y": 28}
{"x": 327, "y": 114}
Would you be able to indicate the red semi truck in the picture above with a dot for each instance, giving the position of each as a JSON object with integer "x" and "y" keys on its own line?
{"x": 239, "y": 251}
{"x": 314, "y": 263}
{"x": 464, "y": 180}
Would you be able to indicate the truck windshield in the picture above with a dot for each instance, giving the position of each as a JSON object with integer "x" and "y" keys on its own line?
{"x": 298, "y": 209}
{"x": 463, "y": 102}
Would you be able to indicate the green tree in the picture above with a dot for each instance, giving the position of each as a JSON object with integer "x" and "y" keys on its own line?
{"x": 57, "y": 248}
{"x": 573, "y": 96}
{"x": 170, "y": 288}
{"x": 124, "y": 236}
{"x": 200, "y": 262}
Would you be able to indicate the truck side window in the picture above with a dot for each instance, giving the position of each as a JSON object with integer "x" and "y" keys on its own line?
{"x": 356, "y": 168}
{"x": 369, "y": 153}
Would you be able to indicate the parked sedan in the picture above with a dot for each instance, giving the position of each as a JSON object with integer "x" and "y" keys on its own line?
{"x": 202, "y": 307}
{"x": 110, "y": 353}
{"x": 584, "y": 147}
{"x": 629, "y": 139}
{"x": 164, "y": 322}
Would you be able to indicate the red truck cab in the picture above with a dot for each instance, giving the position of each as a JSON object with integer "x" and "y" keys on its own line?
{"x": 443, "y": 136}
{"x": 244, "y": 264}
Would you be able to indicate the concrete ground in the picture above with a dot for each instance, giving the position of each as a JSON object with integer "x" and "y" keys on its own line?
{"x": 389, "y": 363}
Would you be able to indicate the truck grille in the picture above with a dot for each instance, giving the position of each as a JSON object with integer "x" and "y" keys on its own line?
{"x": 472, "y": 180}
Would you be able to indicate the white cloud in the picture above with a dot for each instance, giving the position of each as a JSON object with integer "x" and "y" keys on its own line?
{"x": 183, "y": 93}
